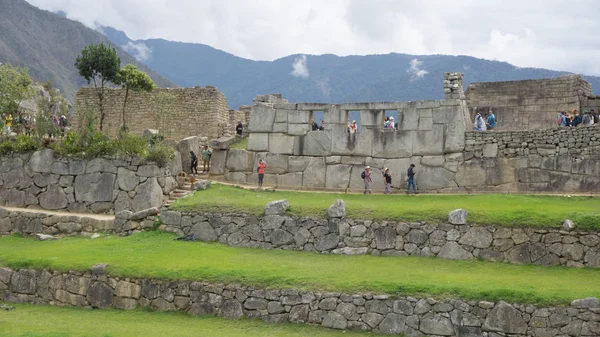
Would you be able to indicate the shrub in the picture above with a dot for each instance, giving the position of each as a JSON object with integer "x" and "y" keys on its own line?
{"x": 160, "y": 153}
{"x": 25, "y": 143}
{"x": 7, "y": 147}
{"x": 130, "y": 145}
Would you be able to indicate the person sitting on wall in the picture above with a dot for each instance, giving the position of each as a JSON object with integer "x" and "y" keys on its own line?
{"x": 322, "y": 127}
{"x": 479, "y": 123}
{"x": 262, "y": 165}
{"x": 491, "y": 121}
{"x": 353, "y": 127}
{"x": 386, "y": 123}
{"x": 194, "y": 164}
{"x": 392, "y": 124}
{"x": 206, "y": 155}
{"x": 314, "y": 125}
{"x": 239, "y": 129}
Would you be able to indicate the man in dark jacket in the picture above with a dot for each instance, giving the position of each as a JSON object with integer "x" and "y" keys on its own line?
{"x": 411, "y": 179}
{"x": 239, "y": 129}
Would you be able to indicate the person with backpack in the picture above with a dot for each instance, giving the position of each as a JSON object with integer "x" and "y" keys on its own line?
{"x": 206, "y": 154}
{"x": 562, "y": 120}
{"x": 411, "y": 179}
{"x": 366, "y": 176}
{"x": 194, "y": 165}
{"x": 388, "y": 181}
{"x": 262, "y": 165}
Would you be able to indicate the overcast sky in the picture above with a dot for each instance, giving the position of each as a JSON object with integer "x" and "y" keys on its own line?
{"x": 554, "y": 34}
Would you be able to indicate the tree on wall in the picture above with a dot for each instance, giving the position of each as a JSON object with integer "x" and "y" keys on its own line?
{"x": 15, "y": 86}
{"x": 99, "y": 64}
{"x": 131, "y": 78}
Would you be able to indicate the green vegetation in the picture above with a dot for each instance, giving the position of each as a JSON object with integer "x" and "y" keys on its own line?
{"x": 503, "y": 210}
{"x": 242, "y": 144}
{"x": 20, "y": 143}
{"x": 15, "y": 86}
{"x": 131, "y": 78}
{"x": 158, "y": 255}
{"x": 47, "y": 321}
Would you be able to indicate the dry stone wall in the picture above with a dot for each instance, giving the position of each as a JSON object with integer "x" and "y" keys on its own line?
{"x": 189, "y": 112}
{"x": 548, "y": 247}
{"x": 529, "y": 104}
{"x": 41, "y": 180}
{"x": 380, "y": 313}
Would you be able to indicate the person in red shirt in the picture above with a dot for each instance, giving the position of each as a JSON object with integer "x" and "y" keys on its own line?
{"x": 262, "y": 165}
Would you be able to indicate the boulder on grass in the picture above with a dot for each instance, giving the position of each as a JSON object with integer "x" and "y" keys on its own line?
{"x": 458, "y": 217}
{"x": 568, "y": 225}
{"x": 201, "y": 185}
{"x": 337, "y": 210}
{"x": 277, "y": 207}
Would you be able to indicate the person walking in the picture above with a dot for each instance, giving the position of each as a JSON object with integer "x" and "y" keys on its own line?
{"x": 388, "y": 181}
{"x": 367, "y": 179}
{"x": 411, "y": 179}
{"x": 8, "y": 123}
{"x": 262, "y": 165}
{"x": 206, "y": 155}
{"x": 239, "y": 129}
{"x": 194, "y": 165}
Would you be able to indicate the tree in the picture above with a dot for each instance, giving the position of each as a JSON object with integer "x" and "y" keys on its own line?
{"x": 99, "y": 64}
{"x": 131, "y": 78}
{"x": 15, "y": 86}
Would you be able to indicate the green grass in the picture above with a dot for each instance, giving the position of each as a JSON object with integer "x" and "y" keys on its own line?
{"x": 47, "y": 321}
{"x": 157, "y": 255}
{"x": 242, "y": 144}
{"x": 489, "y": 209}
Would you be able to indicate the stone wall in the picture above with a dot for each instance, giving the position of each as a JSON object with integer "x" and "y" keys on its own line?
{"x": 549, "y": 247}
{"x": 41, "y": 180}
{"x": 530, "y": 104}
{"x": 191, "y": 112}
{"x": 380, "y": 313}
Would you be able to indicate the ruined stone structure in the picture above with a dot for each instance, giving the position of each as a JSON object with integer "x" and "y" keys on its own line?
{"x": 41, "y": 180}
{"x": 382, "y": 313}
{"x": 529, "y": 104}
{"x": 189, "y": 112}
{"x": 436, "y": 136}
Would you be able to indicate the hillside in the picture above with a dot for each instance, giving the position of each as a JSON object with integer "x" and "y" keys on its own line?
{"x": 331, "y": 79}
{"x": 48, "y": 44}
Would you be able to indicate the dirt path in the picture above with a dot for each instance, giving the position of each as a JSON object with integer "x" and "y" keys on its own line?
{"x": 87, "y": 215}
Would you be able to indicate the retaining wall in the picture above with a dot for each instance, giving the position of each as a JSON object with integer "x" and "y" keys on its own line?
{"x": 548, "y": 247}
{"x": 41, "y": 180}
{"x": 360, "y": 311}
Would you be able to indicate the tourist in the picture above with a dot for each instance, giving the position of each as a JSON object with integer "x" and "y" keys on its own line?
{"x": 561, "y": 119}
{"x": 63, "y": 124}
{"x": 314, "y": 125}
{"x": 194, "y": 164}
{"x": 595, "y": 115}
{"x": 349, "y": 126}
{"x": 576, "y": 119}
{"x": 366, "y": 175}
{"x": 262, "y": 165}
{"x": 491, "y": 121}
{"x": 479, "y": 123}
{"x": 386, "y": 123}
{"x": 353, "y": 127}
{"x": 411, "y": 179}
{"x": 8, "y": 123}
{"x": 586, "y": 118}
{"x": 239, "y": 129}
{"x": 206, "y": 155}
{"x": 392, "y": 125}
{"x": 568, "y": 120}
{"x": 388, "y": 181}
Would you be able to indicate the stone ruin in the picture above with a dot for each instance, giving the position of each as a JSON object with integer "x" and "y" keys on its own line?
{"x": 435, "y": 135}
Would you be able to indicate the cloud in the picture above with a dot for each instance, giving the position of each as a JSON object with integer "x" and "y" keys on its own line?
{"x": 415, "y": 70}
{"x": 300, "y": 69}
{"x": 138, "y": 50}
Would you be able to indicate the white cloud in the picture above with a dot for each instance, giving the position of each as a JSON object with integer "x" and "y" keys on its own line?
{"x": 300, "y": 69}
{"x": 138, "y": 50}
{"x": 554, "y": 34}
{"x": 415, "y": 70}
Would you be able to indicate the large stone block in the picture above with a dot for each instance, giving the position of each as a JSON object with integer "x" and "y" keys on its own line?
{"x": 506, "y": 319}
{"x": 337, "y": 176}
{"x": 298, "y": 164}
{"x": 408, "y": 118}
{"x": 41, "y": 161}
{"x": 16, "y": 178}
{"x": 53, "y": 198}
{"x": 500, "y": 173}
{"x": 100, "y": 295}
{"x": 315, "y": 173}
{"x": 429, "y": 142}
{"x": 148, "y": 195}
{"x": 289, "y": 180}
{"x": 298, "y": 129}
{"x": 184, "y": 147}
{"x": 353, "y": 144}
{"x": 371, "y": 118}
{"x": 471, "y": 174}
{"x": 258, "y": 142}
{"x": 282, "y": 144}
{"x": 239, "y": 160}
{"x": 434, "y": 178}
{"x": 298, "y": 117}
{"x": 100, "y": 165}
{"x": 395, "y": 144}
{"x": 317, "y": 143}
{"x": 454, "y": 137}
{"x": 262, "y": 118}
{"x": 276, "y": 163}
{"x": 127, "y": 180}
{"x": 217, "y": 162}
{"x": 95, "y": 187}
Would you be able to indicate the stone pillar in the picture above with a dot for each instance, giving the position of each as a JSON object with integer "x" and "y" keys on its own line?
{"x": 453, "y": 87}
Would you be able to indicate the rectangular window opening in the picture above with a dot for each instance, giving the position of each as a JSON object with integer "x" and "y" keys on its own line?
{"x": 389, "y": 114}
{"x": 354, "y": 116}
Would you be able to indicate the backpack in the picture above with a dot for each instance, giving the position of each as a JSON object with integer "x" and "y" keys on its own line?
{"x": 363, "y": 175}
{"x": 559, "y": 120}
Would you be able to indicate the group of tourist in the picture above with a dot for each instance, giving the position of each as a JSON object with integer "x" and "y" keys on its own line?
{"x": 25, "y": 123}
{"x": 206, "y": 153}
{"x": 483, "y": 123}
{"x": 586, "y": 118}
{"x": 315, "y": 127}
{"x": 389, "y": 123}
{"x": 366, "y": 176}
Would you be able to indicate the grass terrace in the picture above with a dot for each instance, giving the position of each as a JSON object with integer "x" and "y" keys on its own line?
{"x": 48, "y": 321}
{"x": 158, "y": 255}
{"x": 489, "y": 209}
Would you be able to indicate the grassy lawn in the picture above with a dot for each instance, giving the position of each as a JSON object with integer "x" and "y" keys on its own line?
{"x": 242, "y": 144}
{"x": 157, "y": 255}
{"x": 504, "y": 210}
{"x": 48, "y": 321}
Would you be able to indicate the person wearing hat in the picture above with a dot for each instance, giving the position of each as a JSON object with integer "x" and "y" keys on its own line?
{"x": 367, "y": 178}
{"x": 411, "y": 179}
{"x": 353, "y": 127}
{"x": 388, "y": 181}
{"x": 392, "y": 124}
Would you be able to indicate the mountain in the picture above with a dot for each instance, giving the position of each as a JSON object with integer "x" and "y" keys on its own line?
{"x": 331, "y": 78}
{"x": 47, "y": 44}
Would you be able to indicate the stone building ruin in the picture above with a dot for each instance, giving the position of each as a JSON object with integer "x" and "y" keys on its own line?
{"x": 435, "y": 135}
